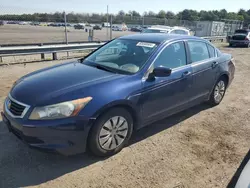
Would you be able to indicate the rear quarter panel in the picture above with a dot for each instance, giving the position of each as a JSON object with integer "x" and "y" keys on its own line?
{"x": 226, "y": 67}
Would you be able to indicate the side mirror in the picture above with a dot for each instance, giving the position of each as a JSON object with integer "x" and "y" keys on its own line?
{"x": 160, "y": 72}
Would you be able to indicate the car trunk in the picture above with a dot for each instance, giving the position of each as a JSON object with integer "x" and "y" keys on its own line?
{"x": 239, "y": 37}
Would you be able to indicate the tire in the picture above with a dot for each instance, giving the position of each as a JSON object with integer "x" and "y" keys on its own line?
{"x": 230, "y": 44}
{"x": 217, "y": 95}
{"x": 104, "y": 139}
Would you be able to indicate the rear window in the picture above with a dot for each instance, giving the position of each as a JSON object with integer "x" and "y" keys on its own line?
{"x": 154, "y": 31}
{"x": 180, "y": 32}
{"x": 242, "y": 31}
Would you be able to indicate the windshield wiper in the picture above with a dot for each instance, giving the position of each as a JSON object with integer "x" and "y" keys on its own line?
{"x": 105, "y": 68}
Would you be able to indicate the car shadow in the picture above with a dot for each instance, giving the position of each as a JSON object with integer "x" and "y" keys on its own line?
{"x": 21, "y": 166}
{"x": 166, "y": 123}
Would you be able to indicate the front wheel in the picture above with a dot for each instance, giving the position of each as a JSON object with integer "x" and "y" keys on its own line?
{"x": 111, "y": 132}
{"x": 218, "y": 92}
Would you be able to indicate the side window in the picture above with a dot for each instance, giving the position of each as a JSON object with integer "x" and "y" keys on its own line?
{"x": 172, "y": 56}
{"x": 211, "y": 51}
{"x": 198, "y": 51}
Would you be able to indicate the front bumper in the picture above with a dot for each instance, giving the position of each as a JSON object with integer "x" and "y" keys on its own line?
{"x": 64, "y": 136}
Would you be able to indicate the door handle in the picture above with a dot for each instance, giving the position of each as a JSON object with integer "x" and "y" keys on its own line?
{"x": 214, "y": 64}
{"x": 186, "y": 73}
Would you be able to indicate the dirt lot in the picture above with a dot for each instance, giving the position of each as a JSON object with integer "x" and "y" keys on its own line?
{"x": 200, "y": 147}
{"x": 21, "y": 34}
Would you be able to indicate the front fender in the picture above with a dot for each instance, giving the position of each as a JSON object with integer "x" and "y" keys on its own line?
{"x": 130, "y": 106}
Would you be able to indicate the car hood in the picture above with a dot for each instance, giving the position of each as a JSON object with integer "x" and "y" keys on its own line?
{"x": 37, "y": 87}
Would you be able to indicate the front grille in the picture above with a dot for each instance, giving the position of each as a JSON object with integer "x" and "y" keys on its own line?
{"x": 15, "y": 108}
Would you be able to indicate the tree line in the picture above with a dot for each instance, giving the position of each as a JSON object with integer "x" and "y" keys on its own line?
{"x": 189, "y": 15}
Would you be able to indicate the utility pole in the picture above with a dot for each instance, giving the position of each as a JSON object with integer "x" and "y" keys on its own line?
{"x": 180, "y": 18}
{"x": 66, "y": 32}
{"x": 110, "y": 26}
{"x": 108, "y": 22}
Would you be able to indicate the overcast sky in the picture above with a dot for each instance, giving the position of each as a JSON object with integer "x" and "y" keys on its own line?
{"x": 100, "y": 6}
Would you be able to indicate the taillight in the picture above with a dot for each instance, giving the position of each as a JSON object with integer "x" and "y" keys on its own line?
{"x": 246, "y": 38}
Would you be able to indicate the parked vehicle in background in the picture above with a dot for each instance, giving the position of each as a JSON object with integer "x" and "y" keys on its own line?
{"x": 116, "y": 28}
{"x": 167, "y": 29}
{"x": 12, "y": 22}
{"x": 156, "y": 30}
{"x": 106, "y": 24}
{"x": 23, "y": 23}
{"x": 35, "y": 23}
{"x": 128, "y": 83}
{"x": 136, "y": 29}
{"x": 43, "y": 24}
{"x": 1, "y": 22}
{"x": 241, "y": 37}
{"x": 79, "y": 26}
{"x": 97, "y": 27}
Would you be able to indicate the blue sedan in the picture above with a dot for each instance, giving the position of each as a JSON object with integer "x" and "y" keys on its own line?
{"x": 130, "y": 82}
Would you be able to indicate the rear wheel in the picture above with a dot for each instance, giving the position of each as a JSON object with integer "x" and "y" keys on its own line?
{"x": 218, "y": 92}
{"x": 111, "y": 132}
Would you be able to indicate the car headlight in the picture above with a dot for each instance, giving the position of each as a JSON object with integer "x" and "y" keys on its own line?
{"x": 60, "y": 110}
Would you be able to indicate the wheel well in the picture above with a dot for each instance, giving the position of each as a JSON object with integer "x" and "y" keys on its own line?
{"x": 225, "y": 77}
{"x": 128, "y": 108}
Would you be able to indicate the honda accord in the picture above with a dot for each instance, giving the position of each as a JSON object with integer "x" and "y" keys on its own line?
{"x": 97, "y": 102}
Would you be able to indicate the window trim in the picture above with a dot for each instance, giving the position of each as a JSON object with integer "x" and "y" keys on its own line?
{"x": 215, "y": 54}
{"x": 145, "y": 76}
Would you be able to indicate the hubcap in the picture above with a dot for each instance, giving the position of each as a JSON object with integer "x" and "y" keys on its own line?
{"x": 219, "y": 91}
{"x": 113, "y": 133}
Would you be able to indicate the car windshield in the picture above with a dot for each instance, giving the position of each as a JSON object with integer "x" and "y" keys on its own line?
{"x": 154, "y": 31}
{"x": 121, "y": 56}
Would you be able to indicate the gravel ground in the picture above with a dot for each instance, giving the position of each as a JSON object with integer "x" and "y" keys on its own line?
{"x": 200, "y": 147}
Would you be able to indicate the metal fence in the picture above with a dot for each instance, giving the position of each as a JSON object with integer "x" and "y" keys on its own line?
{"x": 60, "y": 27}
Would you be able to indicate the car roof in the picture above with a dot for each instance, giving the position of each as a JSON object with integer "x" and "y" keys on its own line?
{"x": 242, "y": 30}
{"x": 158, "y": 37}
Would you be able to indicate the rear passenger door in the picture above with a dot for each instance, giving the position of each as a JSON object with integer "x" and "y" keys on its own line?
{"x": 205, "y": 65}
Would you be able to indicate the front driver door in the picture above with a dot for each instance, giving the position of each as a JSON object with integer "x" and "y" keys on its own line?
{"x": 167, "y": 95}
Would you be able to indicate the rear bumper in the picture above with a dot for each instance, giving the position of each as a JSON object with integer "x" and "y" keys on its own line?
{"x": 231, "y": 72}
{"x": 67, "y": 136}
{"x": 239, "y": 42}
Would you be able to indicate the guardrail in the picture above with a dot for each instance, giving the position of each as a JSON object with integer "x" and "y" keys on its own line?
{"x": 30, "y": 50}
{"x": 215, "y": 38}
{"x": 54, "y": 48}
{"x": 49, "y": 43}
